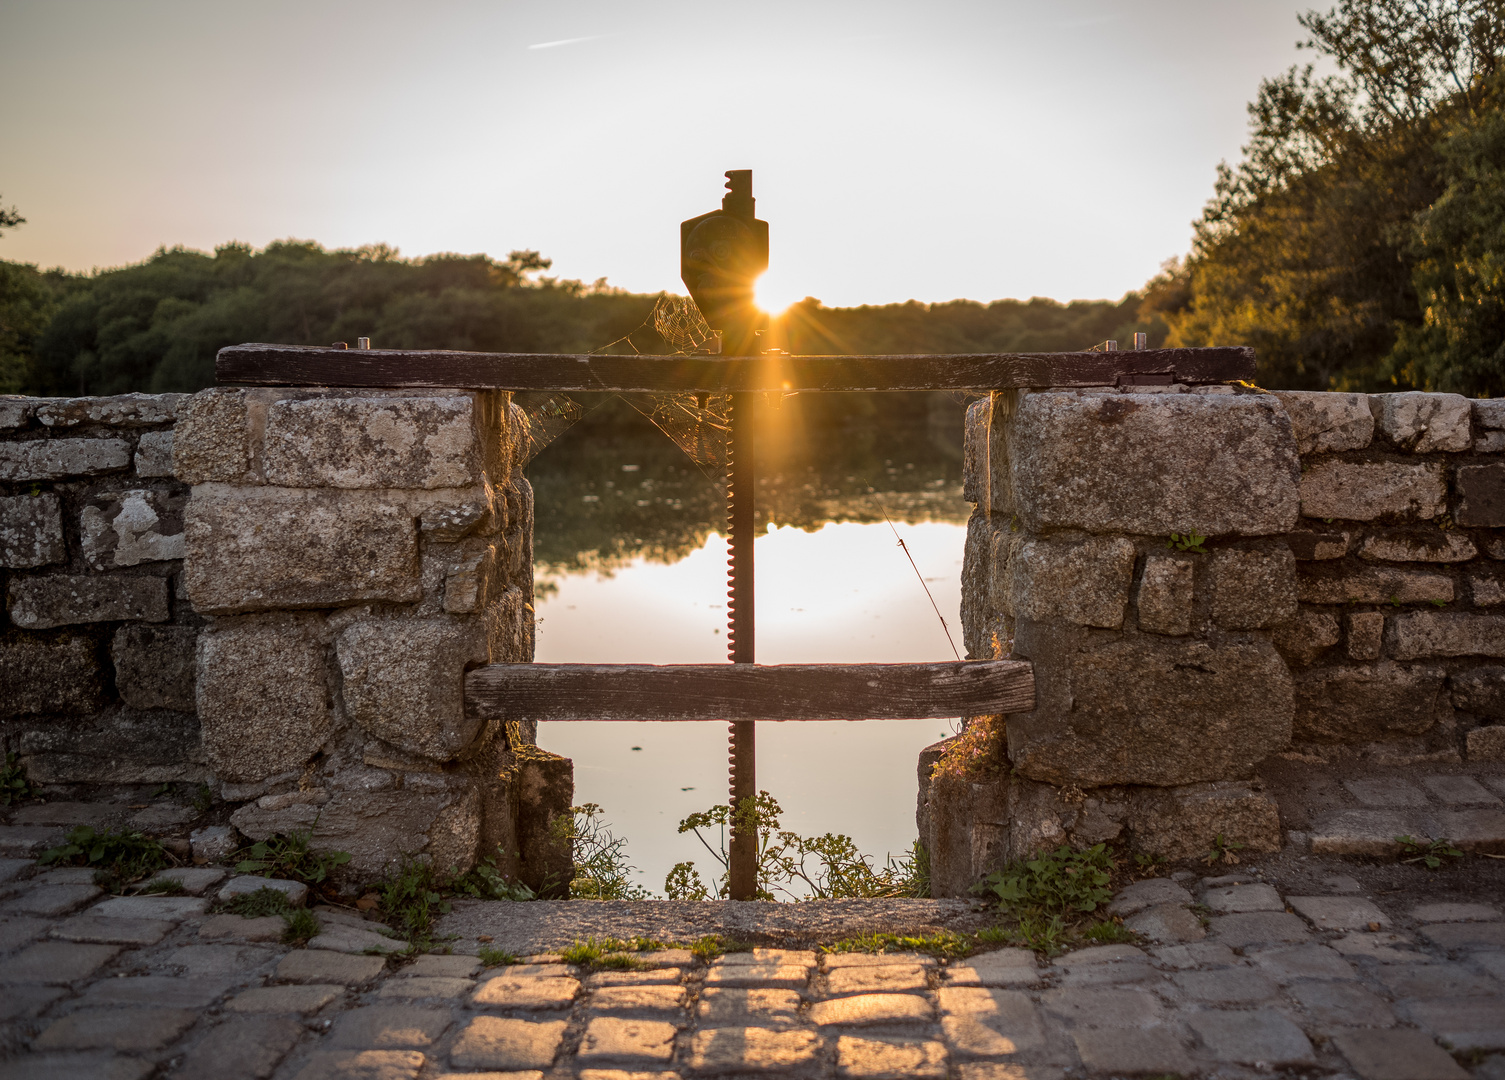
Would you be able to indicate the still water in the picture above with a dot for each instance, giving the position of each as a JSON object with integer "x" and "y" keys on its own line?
{"x": 632, "y": 569}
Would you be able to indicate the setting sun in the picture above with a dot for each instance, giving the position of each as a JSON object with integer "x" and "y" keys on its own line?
{"x": 773, "y": 294}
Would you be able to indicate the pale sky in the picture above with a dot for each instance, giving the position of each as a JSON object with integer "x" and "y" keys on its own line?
{"x": 900, "y": 150}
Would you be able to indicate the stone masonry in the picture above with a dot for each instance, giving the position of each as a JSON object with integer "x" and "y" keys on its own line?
{"x": 277, "y": 593}
{"x": 96, "y": 650}
{"x": 1347, "y": 602}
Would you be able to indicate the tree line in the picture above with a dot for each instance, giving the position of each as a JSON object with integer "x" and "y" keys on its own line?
{"x": 1358, "y": 244}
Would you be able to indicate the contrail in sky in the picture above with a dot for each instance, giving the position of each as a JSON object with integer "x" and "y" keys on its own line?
{"x": 567, "y": 41}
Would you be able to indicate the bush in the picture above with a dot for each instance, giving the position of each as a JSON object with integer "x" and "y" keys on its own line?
{"x": 601, "y": 870}
{"x": 817, "y": 868}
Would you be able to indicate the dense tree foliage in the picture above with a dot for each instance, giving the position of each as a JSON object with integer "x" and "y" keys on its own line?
{"x": 960, "y": 326}
{"x": 1459, "y": 273}
{"x": 157, "y": 325}
{"x": 1358, "y": 242}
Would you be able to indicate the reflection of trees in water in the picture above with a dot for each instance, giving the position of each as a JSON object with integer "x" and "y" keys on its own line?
{"x": 614, "y": 488}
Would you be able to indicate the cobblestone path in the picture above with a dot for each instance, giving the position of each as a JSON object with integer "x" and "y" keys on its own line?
{"x": 1243, "y": 982}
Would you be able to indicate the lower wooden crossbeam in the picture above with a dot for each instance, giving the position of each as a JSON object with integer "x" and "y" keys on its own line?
{"x": 749, "y": 691}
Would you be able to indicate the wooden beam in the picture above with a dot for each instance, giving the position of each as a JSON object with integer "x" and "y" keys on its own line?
{"x": 296, "y": 365}
{"x": 749, "y": 691}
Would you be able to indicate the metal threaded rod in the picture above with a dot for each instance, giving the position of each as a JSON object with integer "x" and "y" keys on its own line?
{"x": 743, "y": 869}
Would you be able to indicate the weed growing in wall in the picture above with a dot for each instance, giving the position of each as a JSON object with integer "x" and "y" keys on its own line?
{"x": 1223, "y": 850}
{"x": 119, "y": 858}
{"x": 486, "y": 882}
{"x": 289, "y": 857}
{"x": 944, "y": 945}
{"x": 977, "y": 753}
{"x": 1060, "y": 882}
{"x": 1191, "y": 541}
{"x": 710, "y": 946}
{"x": 607, "y": 954}
{"x": 14, "y": 786}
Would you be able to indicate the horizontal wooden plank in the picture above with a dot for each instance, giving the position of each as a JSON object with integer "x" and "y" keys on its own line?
{"x": 749, "y": 691}
{"x": 294, "y": 365}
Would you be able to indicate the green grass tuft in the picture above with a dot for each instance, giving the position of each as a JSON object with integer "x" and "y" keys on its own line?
{"x": 164, "y": 887}
{"x": 259, "y": 904}
{"x": 945, "y": 945}
{"x": 498, "y": 957}
{"x": 706, "y": 949}
{"x": 301, "y": 926}
{"x": 610, "y": 953}
{"x": 1109, "y": 932}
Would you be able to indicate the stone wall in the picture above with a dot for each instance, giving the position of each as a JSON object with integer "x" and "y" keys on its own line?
{"x": 96, "y": 652}
{"x": 277, "y": 592}
{"x": 1346, "y": 602}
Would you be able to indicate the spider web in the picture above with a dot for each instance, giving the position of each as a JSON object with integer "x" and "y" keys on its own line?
{"x": 545, "y": 418}
{"x": 696, "y": 423}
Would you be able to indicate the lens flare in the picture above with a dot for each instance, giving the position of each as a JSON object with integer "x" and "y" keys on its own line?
{"x": 773, "y": 295}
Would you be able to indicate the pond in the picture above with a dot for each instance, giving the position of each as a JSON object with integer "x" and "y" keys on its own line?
{"x": 630, "y": 563}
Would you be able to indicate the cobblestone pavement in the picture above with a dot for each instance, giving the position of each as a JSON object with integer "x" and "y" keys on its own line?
{"x": 1234, "y": 978}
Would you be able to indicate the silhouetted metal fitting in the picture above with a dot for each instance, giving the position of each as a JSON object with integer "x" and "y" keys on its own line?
{"x": 363, "y": 343}
{"x": 1110, "y": 346}
{"x": 1141, "y": 341}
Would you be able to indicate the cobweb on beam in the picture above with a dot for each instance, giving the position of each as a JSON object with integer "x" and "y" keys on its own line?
{"x": 545, "y": 418}
{"x": 696, "y": 423}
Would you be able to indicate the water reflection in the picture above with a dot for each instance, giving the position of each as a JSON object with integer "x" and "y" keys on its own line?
{"x": 631, "y": 567}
